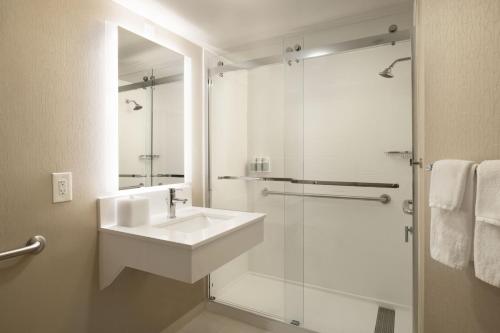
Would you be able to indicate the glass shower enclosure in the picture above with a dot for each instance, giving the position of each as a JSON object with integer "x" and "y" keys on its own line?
{"x": 320, "y": 142}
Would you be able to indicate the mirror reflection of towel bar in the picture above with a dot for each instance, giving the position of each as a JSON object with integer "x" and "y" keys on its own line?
{"x": 384, "y": 198}
{"x": 133, "y": 175}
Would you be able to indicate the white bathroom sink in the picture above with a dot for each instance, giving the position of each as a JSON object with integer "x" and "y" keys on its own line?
{"x": 185, "y": 248}
{"x": 198, "y": 222}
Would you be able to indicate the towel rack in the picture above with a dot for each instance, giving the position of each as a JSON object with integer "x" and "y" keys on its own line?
{"x": 384, "y": 198}
{"x": 34, "y": 245}
{"x": 134, "y": 175}
{"x": 313, "y": 182}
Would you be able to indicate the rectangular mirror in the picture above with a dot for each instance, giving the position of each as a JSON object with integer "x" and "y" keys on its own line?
{"x": 150, "y": 113}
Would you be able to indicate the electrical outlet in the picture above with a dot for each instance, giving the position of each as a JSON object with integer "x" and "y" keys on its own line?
{"x": 62, "y": 187}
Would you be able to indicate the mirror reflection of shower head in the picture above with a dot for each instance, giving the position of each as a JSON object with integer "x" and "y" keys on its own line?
{"x": 387, "y": 72}
{"x": 137, "y": 106}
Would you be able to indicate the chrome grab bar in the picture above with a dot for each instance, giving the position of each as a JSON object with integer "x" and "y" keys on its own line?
{"x": 34, "y": 245}
{"x": 384, "y": 198}
{"x": 315, "y": 182}
{"x": 170, "y": 175}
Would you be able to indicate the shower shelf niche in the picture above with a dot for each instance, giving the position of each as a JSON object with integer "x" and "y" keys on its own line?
{"x": 402, "y": 154}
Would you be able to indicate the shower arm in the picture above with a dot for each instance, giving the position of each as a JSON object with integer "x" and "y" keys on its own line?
{"x": 398, "y": 60}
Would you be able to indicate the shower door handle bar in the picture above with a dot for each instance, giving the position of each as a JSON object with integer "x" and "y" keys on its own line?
{"x": 314, "y": 182}
{"x": 34, "y": 245}
{"x": 384, "y": 198}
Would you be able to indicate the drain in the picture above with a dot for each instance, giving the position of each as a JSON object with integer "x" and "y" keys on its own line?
{"x": 295, "y": 322}
{"x": 385, "y": 320}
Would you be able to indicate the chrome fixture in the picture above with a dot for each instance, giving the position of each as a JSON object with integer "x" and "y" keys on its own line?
{"x": 310, "y": 53}
{"x": 137, "y": 106}
{"x": 151, "y": 83}
{"x": 387, "y": 73}
{"x": 148, "y": 157}
{"x": 384, "y": 198}
{"x": 408, "y": 231}
{"x": 220, "y": 66}
{"x": 137, "y": 175}
{"x": 403, "y": 154}
{"x": 34, "y": 245}
{"x": 408, "y": 207}
{"x": 313, "y": 182}
{"x": 172, "y": 202}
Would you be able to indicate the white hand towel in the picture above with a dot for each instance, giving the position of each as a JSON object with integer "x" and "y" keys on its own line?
{"x": 488, "y": 192}
{"x": 452, "y": 230}
{"x": 487, "y": 231}
{"x": 448, "y": 181}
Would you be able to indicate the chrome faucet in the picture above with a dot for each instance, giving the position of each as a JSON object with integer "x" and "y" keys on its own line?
{"x": 172, "y": 202}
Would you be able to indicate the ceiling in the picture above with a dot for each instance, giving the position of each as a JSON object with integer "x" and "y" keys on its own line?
{"x": 137, "y": 56}
{"x": 223, "y": 24}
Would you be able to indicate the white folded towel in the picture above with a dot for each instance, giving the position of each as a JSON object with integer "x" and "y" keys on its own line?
{"x": 448, "y": 180}
{"x": 487, "y": 231}
{"x": 452, "y": 229}
{"x": 488, "y": 192}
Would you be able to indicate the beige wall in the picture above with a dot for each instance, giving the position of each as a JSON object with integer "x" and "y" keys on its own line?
{"x": 458, "y": 46}
{"x": 53, "y": 118}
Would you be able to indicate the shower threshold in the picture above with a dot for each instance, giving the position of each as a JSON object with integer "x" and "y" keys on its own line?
{"x": 320, "y": 310}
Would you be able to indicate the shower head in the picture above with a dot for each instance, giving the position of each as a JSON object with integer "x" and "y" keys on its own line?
{"x": 387, "y": 72}
{"x": 137, "y": 106}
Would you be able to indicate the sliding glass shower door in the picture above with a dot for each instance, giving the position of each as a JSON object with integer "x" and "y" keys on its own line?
{"x": 321, "y": 144}
{"x": 256, "y": 131}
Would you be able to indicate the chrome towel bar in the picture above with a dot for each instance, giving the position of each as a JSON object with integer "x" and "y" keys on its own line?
{"x": 314, "y": 182}
{"x": 384, "y": 198}
{"x": 34, "y": 245}
{"x": 135, "y": 175}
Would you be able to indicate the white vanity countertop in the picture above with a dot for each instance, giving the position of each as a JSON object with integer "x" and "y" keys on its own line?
{"x": 193, "y": 226}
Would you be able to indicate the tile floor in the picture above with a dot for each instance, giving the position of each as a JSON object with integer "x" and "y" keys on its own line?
{"x": 208, "y": 322}
{"x": 323, "y": 311}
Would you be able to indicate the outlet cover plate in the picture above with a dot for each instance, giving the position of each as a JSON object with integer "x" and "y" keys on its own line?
{"x": 62, "y": 187}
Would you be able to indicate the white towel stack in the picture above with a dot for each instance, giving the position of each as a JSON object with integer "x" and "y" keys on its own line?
{"x": 451, "y": 199}
{"x": 487, "y": 231}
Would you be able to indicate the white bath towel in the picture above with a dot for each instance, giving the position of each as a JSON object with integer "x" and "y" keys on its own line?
{"x": 448, "y": 180}
{"x": 487, "y": 231}
{"x": 487, "y": 252}
{"x": 452, "y": 230}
